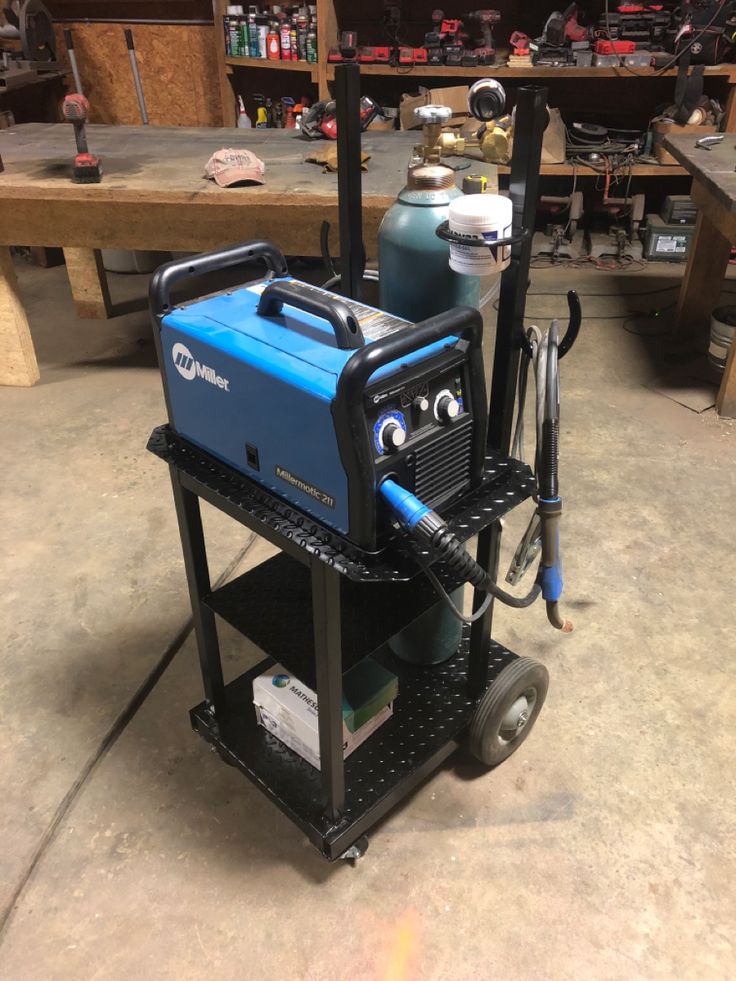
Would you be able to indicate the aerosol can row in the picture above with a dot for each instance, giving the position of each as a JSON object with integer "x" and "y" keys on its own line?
{"x": 271, "y": 32}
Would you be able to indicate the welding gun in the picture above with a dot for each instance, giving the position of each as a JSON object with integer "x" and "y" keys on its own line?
{"x": 87, "y": 167}
{"x": 432, "y": 533}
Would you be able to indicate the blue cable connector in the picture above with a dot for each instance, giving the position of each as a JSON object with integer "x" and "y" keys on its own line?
{"x": 407, "y": 508}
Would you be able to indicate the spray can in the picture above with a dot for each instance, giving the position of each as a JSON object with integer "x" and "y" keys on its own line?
{"x": 285, "y": 41}
{"x": 262, "y": 25}
{"x": 289, "y": 106}
{"x": 273, "y": 42}
{"x": 312, "y": 45}
{"x": 407, "y": 241}
{"x": 243, "y": 36}
{"x": 261, "y": 114}
{"x": 234, "y": 29}
{"x": 293, "y": 40}
{"x": 301, "y": 37}
{"x": 252, "y": 34}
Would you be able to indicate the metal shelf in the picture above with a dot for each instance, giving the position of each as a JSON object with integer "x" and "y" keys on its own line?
{"x": 506, "y": 483}
{"x": 430, "y": 717}
{"x": 271, "y": 605}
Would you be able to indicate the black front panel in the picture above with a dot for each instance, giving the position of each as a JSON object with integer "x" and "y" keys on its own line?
{"x": 442, "y": 467}
{"x": 434, "y": 459}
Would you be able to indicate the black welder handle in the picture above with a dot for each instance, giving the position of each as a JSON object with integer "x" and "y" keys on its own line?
{"x": 347, "y": 330}
{"x": 163, "y": 279}
{"x": 464, "y": 322}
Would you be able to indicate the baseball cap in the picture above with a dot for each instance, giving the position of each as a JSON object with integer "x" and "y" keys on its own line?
{"x": 230, "y": 166}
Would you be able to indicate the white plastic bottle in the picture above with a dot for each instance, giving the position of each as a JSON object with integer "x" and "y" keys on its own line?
{"x": 243, "y": 117}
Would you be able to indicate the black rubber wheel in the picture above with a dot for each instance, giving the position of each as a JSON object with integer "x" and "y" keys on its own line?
{"x": 508, "y": 710}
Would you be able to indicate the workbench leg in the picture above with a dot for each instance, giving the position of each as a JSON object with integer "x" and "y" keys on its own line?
{"x": 328, "y": 662}
{"x": 487, "y": 555}
{"x": 88, "y": 281}
{"x": 729, "y": 115}
{"x": 704, "y": 274}
{"x": 17, "y": 358}
{"x": 198, "y": 579}
{"x": 726, "y": 400}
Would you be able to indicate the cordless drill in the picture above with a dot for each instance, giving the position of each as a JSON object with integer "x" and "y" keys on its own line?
{"x": 87, "y": 167}
{"x": 485, "y": 19}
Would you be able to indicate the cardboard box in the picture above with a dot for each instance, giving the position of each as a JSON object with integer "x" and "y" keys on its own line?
{"x": 456, "y": 97}
{"x": 289, "y": 710}
{"x": 662, "y": 129}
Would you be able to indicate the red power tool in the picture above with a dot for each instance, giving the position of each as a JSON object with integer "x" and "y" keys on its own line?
{"x": 484, "y": 47}
{"x": 320, "y": 121}
{"x": 87, "y": 167}
{"x": 520, "y": 43}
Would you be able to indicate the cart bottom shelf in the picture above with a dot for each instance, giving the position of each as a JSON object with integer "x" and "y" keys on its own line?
{"x": 431, "y": 713}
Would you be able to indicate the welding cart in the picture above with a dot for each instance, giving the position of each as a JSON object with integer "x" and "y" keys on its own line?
{"x": 322, "y": 604}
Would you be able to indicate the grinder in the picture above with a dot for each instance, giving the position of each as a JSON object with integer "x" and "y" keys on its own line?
{"x": 87, "y": 167}
{"x": 319, "y": 398}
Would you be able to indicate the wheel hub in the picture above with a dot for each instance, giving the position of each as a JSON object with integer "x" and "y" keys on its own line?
{"x": 516, "y": 716}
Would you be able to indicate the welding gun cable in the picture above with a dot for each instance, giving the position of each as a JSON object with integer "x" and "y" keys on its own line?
{"x": 428, "y": 528}
{"x": 447, "y": 599}
{"x": 425, "y": 526}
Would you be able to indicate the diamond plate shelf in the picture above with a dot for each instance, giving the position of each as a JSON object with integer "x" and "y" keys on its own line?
{"x": 506, "y": 483}
{"x": 430, "y": 717}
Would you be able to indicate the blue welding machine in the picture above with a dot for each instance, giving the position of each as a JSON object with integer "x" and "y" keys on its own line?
{"x": 319, "y": 398}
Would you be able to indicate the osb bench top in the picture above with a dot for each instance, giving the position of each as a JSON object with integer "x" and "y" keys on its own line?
{"x": 167, "y": 163}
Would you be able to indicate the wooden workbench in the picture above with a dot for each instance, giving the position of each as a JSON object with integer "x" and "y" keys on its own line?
{"x": 714, "y": 192}
{"x": 153, "y": 196}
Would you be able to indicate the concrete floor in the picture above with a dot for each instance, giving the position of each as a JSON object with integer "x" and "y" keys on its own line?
{"x": 604, "y": 848}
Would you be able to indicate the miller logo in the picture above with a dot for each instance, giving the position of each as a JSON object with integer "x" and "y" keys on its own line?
{"x": 189, "y": 368}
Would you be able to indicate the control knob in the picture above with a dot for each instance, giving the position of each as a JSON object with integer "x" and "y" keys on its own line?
{"x": 446, "y": 407}
{"x": 393, "y": 436}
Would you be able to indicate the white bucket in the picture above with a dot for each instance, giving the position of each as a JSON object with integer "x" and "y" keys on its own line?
{"x": 480, "y": 217}
{"x": 722, "y": 333}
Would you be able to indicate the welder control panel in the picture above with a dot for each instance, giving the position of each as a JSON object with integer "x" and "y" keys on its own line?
{"x": 404, "y": 414}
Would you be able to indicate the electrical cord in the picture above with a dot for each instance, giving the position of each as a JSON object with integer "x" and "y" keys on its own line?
{"x": 369, "y": 275}
{"x": 447, "y": 599}
{"x": 615, "y": 263}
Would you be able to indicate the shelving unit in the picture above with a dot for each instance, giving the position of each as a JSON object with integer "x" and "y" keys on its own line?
{"x": 321, "y": 74}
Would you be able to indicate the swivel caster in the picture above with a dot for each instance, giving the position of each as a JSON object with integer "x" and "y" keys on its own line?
{"x": 508, "y": 710}
{"x": 223, "y": 755}
{"x": 357, "y": 850}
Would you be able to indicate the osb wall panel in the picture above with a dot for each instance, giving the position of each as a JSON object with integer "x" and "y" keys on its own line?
{"x": 178, "y": 68}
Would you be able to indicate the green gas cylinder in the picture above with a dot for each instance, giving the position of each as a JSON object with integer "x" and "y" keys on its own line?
{"x": 415, "y": 279}
{"x": 416, "y": 282}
